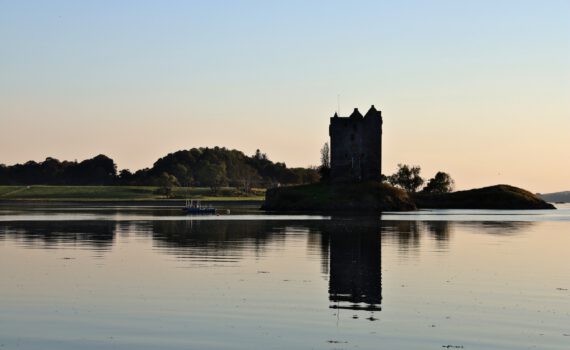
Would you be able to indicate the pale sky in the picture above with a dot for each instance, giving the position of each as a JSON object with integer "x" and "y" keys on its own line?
{"x": 480, "y": 89}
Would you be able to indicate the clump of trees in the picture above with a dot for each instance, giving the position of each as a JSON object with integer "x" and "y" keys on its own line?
{"x": 166, "y": 184}
{"x": 210, "y": 167}
{"x": 408, "y": 178}
{"x": 99, "y": 170}
{"x": 440, "y": 183}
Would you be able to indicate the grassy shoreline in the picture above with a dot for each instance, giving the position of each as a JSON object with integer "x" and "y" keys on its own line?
{"x": 135, "y": 194}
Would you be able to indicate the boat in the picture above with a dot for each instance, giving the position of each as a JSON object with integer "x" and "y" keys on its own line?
{"x": 195, "y": 207}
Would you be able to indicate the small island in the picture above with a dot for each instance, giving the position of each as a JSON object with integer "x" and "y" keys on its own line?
{"x": 369, "y": 196}
{"x": 492, "y": 197}
{"x": 351, "y": 179}
{"x": 372, "y": 196}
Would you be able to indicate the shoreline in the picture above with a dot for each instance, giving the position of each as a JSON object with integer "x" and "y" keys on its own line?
{"x": 122, "y": 202}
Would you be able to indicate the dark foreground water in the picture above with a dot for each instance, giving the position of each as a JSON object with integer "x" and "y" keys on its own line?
{"x": 148, "y": 278}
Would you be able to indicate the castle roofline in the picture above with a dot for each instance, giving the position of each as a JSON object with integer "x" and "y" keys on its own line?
{"x": 356, "y": 114}
{"x": 373, "y": 112}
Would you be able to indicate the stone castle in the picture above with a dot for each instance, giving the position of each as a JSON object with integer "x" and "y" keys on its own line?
{"x": 356, "y": 146}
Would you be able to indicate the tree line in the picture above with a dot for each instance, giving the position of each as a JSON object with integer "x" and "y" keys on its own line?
{"x": 406, "y": 177}
{"x": 209, "y": 167}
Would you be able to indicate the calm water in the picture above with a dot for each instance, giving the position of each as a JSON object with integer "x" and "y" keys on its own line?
{"x": 148, "y": 278}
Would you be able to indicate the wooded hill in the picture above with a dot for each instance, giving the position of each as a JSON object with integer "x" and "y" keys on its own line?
{"x": 210, "y": 167}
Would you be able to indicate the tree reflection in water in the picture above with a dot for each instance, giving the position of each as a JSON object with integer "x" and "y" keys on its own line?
{"x": 350, "y": 248}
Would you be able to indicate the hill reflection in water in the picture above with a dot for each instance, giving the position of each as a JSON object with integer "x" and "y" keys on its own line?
{"x": 350, "y": 248}
{"x": 150, "y": 278}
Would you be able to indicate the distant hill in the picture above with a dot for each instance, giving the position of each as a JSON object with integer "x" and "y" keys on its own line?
{"x": 203, "y": 167}
{"x": 554, "y": 197}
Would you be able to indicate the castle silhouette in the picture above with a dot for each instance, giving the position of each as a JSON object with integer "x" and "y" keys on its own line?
{"x": 356, "y": 146}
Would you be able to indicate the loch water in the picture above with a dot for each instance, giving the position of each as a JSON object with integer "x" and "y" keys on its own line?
{"x": 151, "y": 278}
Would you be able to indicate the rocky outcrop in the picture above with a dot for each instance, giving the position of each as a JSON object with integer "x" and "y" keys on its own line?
{"x": 373, "y": 196}
{"x": 370, "y": 196}
{"x": 492, "y": 197}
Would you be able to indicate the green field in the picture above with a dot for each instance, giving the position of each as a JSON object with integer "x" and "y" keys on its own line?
{"x": 121, "y": 193}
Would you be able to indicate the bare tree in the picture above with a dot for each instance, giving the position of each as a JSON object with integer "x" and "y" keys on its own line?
{"x": 325, "y": 156}
{"x": 325, "y": 168}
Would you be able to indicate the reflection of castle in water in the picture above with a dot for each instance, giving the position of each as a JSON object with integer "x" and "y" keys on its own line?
{"x": 350, "y": 248}
{"x": 355, "y": 264}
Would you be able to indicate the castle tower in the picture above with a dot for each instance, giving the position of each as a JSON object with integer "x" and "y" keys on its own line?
{"x": 356, "y": 146}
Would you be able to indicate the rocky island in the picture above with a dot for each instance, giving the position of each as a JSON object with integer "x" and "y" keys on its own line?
{"x": 373, "y": 196}
{"x": 492, "y": 197}
{"x": 369, "y": 196}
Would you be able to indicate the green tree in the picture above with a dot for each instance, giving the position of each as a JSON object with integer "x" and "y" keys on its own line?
{"x": 407, "y": 177}
{"x": 260, "y": 156}
{"x": 212, "y": 175}
{"x": 125, "y": 177}
{"x": 440, "y": 183}
{"x": 246, "y": 176}
{"x": 166, "y": 182}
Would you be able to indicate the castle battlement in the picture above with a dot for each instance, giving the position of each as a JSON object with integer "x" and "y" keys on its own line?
{"x": 356, "y": 146}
